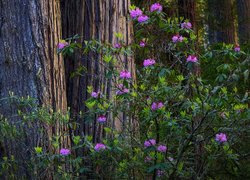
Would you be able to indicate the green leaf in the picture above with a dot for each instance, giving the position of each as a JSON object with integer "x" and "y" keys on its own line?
{"x": 107, "y": 58}
{"x": 90, "y": 104}
{"x": 76, "y": 139}
{"x": 118, "y": 35}
{"x": 107, "y": 130}
{"x": 38, "y": 150}
{"x": 246, "y": 75}
{"x": 180, "y": 166}
{"x": 89, "y": 89}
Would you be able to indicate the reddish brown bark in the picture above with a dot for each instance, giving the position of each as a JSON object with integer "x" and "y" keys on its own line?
{"x": 243, "y": 7}
{"x": 187, "y": 9}
{"x": 221, "y": 21}
{"x": 30, "y": 66}
{"x": 100, "y": 20}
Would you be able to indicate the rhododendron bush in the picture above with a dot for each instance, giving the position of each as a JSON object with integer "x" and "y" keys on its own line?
{"x": 180, "y": 121}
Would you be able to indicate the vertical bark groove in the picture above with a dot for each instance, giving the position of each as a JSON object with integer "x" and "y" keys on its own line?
{"x": 243, "y": 7}
{"x": 221, "y": 21}
{"x": 30, "y": 66}
{"x": 93, "y": 19}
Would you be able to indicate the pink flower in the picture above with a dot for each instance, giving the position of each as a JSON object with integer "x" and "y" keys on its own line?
{"x": 186, "y": 25}
{"x": 156, "y": 7}
{"x": 156, "y": 105}
{"x": 223, "y": 115}
{"x": 142, "y": 18}
{"x": 122, "y": 90}
{"x": 192, "y": 58}
{"x": 99, "y": 147}
{"x": 147, "y": 159}
{"x": 180, "y": 38}
{"x": 62, "y": 45}
{"x": 148, "y": 62}
{"x": 160, "y": 173}
{"x": 221, "y": 137}
{"x": 101, "y": 119}
{"x": 162, "y": 148}
{"x": 160, "y": 105}
{"x": 177, "y": 38}
{"x": 150, "y": 142}
{"x": 117, "y": 46}
{"x": 135, "y": 13}
{"x": 170, "y": 159}
{"x": 125, "y": 75}
{"x": 95, "y": 94}
{"x": 237, "y": 48}
{"x": 142, "y": 44}
{"x": 64, "y": 152}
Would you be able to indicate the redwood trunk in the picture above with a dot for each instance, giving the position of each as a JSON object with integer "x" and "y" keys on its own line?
{"x": 100, "y": 20}
{"x": 187, "y": 9}
{"x": 30, "y": 66}
{"x": 221, "y": 21}
{"x": 243, "y": 7}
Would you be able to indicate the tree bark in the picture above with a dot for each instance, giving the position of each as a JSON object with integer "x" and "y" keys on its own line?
{"x": 100, "y": 20}
{"x": 221, "y": 21}
{"x": 243, "y": 7}
{"x": 30, "y": 66}
{"x": 187, "y": 9}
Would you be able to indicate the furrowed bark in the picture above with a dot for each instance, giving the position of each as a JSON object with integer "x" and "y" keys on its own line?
{"x": 30, "y": 66}
{"x": 243, "y": 7}
{"x": 100, "y": 20}
{"x": 221, "y": 22}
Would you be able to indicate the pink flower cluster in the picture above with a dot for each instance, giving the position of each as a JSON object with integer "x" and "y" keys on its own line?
{"x": 62, "y": 45}
{"x": 186, "y": 25}
{"x": 125, "y": 74}
{"x": 156, "y": 105}
{"x": 95, "y": 94}
{"x": 150, "y": 142}
{"x": 101, "y": 119}
{"x": 156, "y": 7}
{"x": 142, "y": 44}
{"x": 142, "y": 18}
{"x": 148, "y": 62}
{"x": 137, "y": 13}
{"x": 221, "y": 137}
{"x": 99, "y": 147}
{"x": 162, "y": 148}
{"x": 148, "y": 159}
{"x": 117, "y": 46}
{"x": 177, "y": 38}
{"x": 160, "y": 173}
{"x": 64, "y": 152}
{"x": 237, "y": 48}
{"x": 170, "y": 159}
{"x": 192, "y": 58}
{"x": 122, "y": 90}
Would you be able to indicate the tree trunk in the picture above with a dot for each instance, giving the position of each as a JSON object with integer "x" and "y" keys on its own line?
{"x": 187, "y": 9}
{"x": 100, "y": 20}
{"x": 243, "y": 7}
{"x": 221, "y": 21}
{"x": 93, "y": 20}
{"x": 30, "y": 66}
